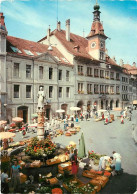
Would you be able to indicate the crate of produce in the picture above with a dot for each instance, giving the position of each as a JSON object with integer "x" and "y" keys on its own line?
{"x": 23, "y": 178}
{"x": 88, "y": 174}
{"x": 52, "y": 161}
{"x": 97, "y": 186}
{"x": 96, "y": 172}
{"x": 102, "y": 180}
{"x": 107, "y": 174}
{"x": 88, "y": 189}
{"x": 65, "y": 166}
{"x": 72, "y": 185}
{"x": 53, "y": 181}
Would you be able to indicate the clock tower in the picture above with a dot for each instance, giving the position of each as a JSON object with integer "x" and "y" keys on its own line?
{"x": 96, "y": 38}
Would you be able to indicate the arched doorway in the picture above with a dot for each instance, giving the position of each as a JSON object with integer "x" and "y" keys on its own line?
{"x": 47, "y": 111}
{"x": 102, "y": 104}
{"x": 111, "y": 104}
{"x": 80, "y": 104}
{"x": 95, "y": 105}
{"x": 117, "y": 103}
{"x": 64, "y": 107}
{"x": 23, "y": 113}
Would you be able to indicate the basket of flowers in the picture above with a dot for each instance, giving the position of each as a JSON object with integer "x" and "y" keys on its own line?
{"x": 88, "y": 188}
{"x": 37, "y": 149}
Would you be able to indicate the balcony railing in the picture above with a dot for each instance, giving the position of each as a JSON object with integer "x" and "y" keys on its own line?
{"x": 80, "y": 73}
{"x": 102, "y": 92}
{"x": 112, "y": 78}
{"x": 80, "y": 92}
{"x": 118, "y": 93}
{"x": 96, "y": 75}
{"x": 96, "y": 92}
{"x": 112, "y": 93}
{"x": 89, "y": 92}
{"x": 89, "y": 75}
{"x": 118, "y": 79}
{"x": 106, "y": 77}
{"x": 106, "y": 92}
{"x": 101, "y": 76}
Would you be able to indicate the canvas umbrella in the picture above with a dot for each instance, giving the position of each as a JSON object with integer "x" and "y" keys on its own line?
{"x": 17, "y": 119}
{"x": 82, "y": 148}
{"x": 6, "y": 135}
{"x": 34, "y": 115}
{"x": 60, "y": 111}
{"x": 73, "y": 108}
{"x": 2, "y": 122}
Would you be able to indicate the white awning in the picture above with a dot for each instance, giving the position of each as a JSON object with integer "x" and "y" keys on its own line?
{"x": 134, "y": 101}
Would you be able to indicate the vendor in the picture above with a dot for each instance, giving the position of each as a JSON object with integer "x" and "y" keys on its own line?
{"x": 103, "y": 161}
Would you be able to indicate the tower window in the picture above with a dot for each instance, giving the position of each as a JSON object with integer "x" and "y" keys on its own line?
{"x": 101, "y": 56}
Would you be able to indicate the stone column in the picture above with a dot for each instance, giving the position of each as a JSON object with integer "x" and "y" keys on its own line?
{"x": 40, "y": 126}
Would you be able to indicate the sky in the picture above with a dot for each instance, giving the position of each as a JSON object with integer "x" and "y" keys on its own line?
{"x": 30, "y": 19}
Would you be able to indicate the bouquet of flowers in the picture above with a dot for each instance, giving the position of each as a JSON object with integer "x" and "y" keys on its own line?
{"x": 38, "y": 148}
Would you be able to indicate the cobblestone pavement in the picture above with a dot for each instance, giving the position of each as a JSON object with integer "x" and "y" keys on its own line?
{"x": 104, "y": 139}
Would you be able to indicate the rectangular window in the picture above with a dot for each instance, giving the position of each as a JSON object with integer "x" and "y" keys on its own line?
{"x": 40, "y": 72}
{"x": 28, "y": 71}
{"x": 80, "y": 88}
{"x": 101, "y": 56}
{"x": 28, "y": 91}
{"x": 102, "y": 73}
{"x": 89, "y": 88}
{"x": 89, "y": 71}
{"x": 106, "y": 89}
{"x": 101, "y": 89}
{"x": 117, "y": 89}
{"x": 60, "y": 74}
{"x": 67, "y": 75}
{"x": 80, "y": 70}
{"x": 111, "y": 75}
{"x": 50, "y": 91}
{"x": 96, "y": 73}
{"x": 111, "y": 89}
{"x": 16, "y": 91}
{"x": 96, "y": 89}
{"x": 117, "y": 76}
{"x": 50, "y": 73}
{"x": 60, "y": 92}
{"x": 67, "y": 92}
{"x": 107, "y": 74}
{"x": 16, "y": 70}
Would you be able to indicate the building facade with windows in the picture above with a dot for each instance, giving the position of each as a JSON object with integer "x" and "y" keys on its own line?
{"x": 27, "y": 66}
{"x": 99, "y": 80}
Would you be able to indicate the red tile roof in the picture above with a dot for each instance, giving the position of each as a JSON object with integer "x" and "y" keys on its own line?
{"x": 96, "y": 29}
{"x": 34, "y": 47}
{"x": 75, "y": 41}
{"x": 131, "y": 69}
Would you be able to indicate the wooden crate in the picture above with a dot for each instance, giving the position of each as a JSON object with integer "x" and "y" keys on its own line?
{"x": 88, "y": 174}
{"x": 23, "y": 178}
{"x": 84, "y": 192}
{"x": 68, "y": 189}
{"x": 53, "y": 181}
{"x": 99, "y": 180}
{"x": 49, "y": 162}
{"x": 97, "y": 186}
{"x": 69, "y": 167}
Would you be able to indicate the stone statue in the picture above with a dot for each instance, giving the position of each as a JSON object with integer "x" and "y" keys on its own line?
{"x": 41, "y": 97}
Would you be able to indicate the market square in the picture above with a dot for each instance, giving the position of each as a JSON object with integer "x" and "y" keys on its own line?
{"x": 68, "y": 105}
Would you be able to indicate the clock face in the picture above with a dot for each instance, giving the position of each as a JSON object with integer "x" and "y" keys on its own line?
{"x": 93, "y": 44}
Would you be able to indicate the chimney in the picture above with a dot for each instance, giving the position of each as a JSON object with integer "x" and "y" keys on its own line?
{"x": 114, "y": 59}
{"x": 121, "y": 62}
{"x": 2, "y": 23}
{"x": 48, "y": 35}
{"x": 68, "y": 30}
{"x": 59, "y": 26}
{"x": 134, "y": 64}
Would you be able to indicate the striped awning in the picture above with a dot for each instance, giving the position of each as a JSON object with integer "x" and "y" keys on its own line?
{"x": 134, "y": 101}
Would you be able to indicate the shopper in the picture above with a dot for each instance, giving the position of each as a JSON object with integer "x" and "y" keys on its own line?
{"x": 15, "y": 176}
{"x": 103, "y": 161}
{"x": 4, "y": 182}
{"x": 122, "y": 119}
{"x": 74, "y": 162}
